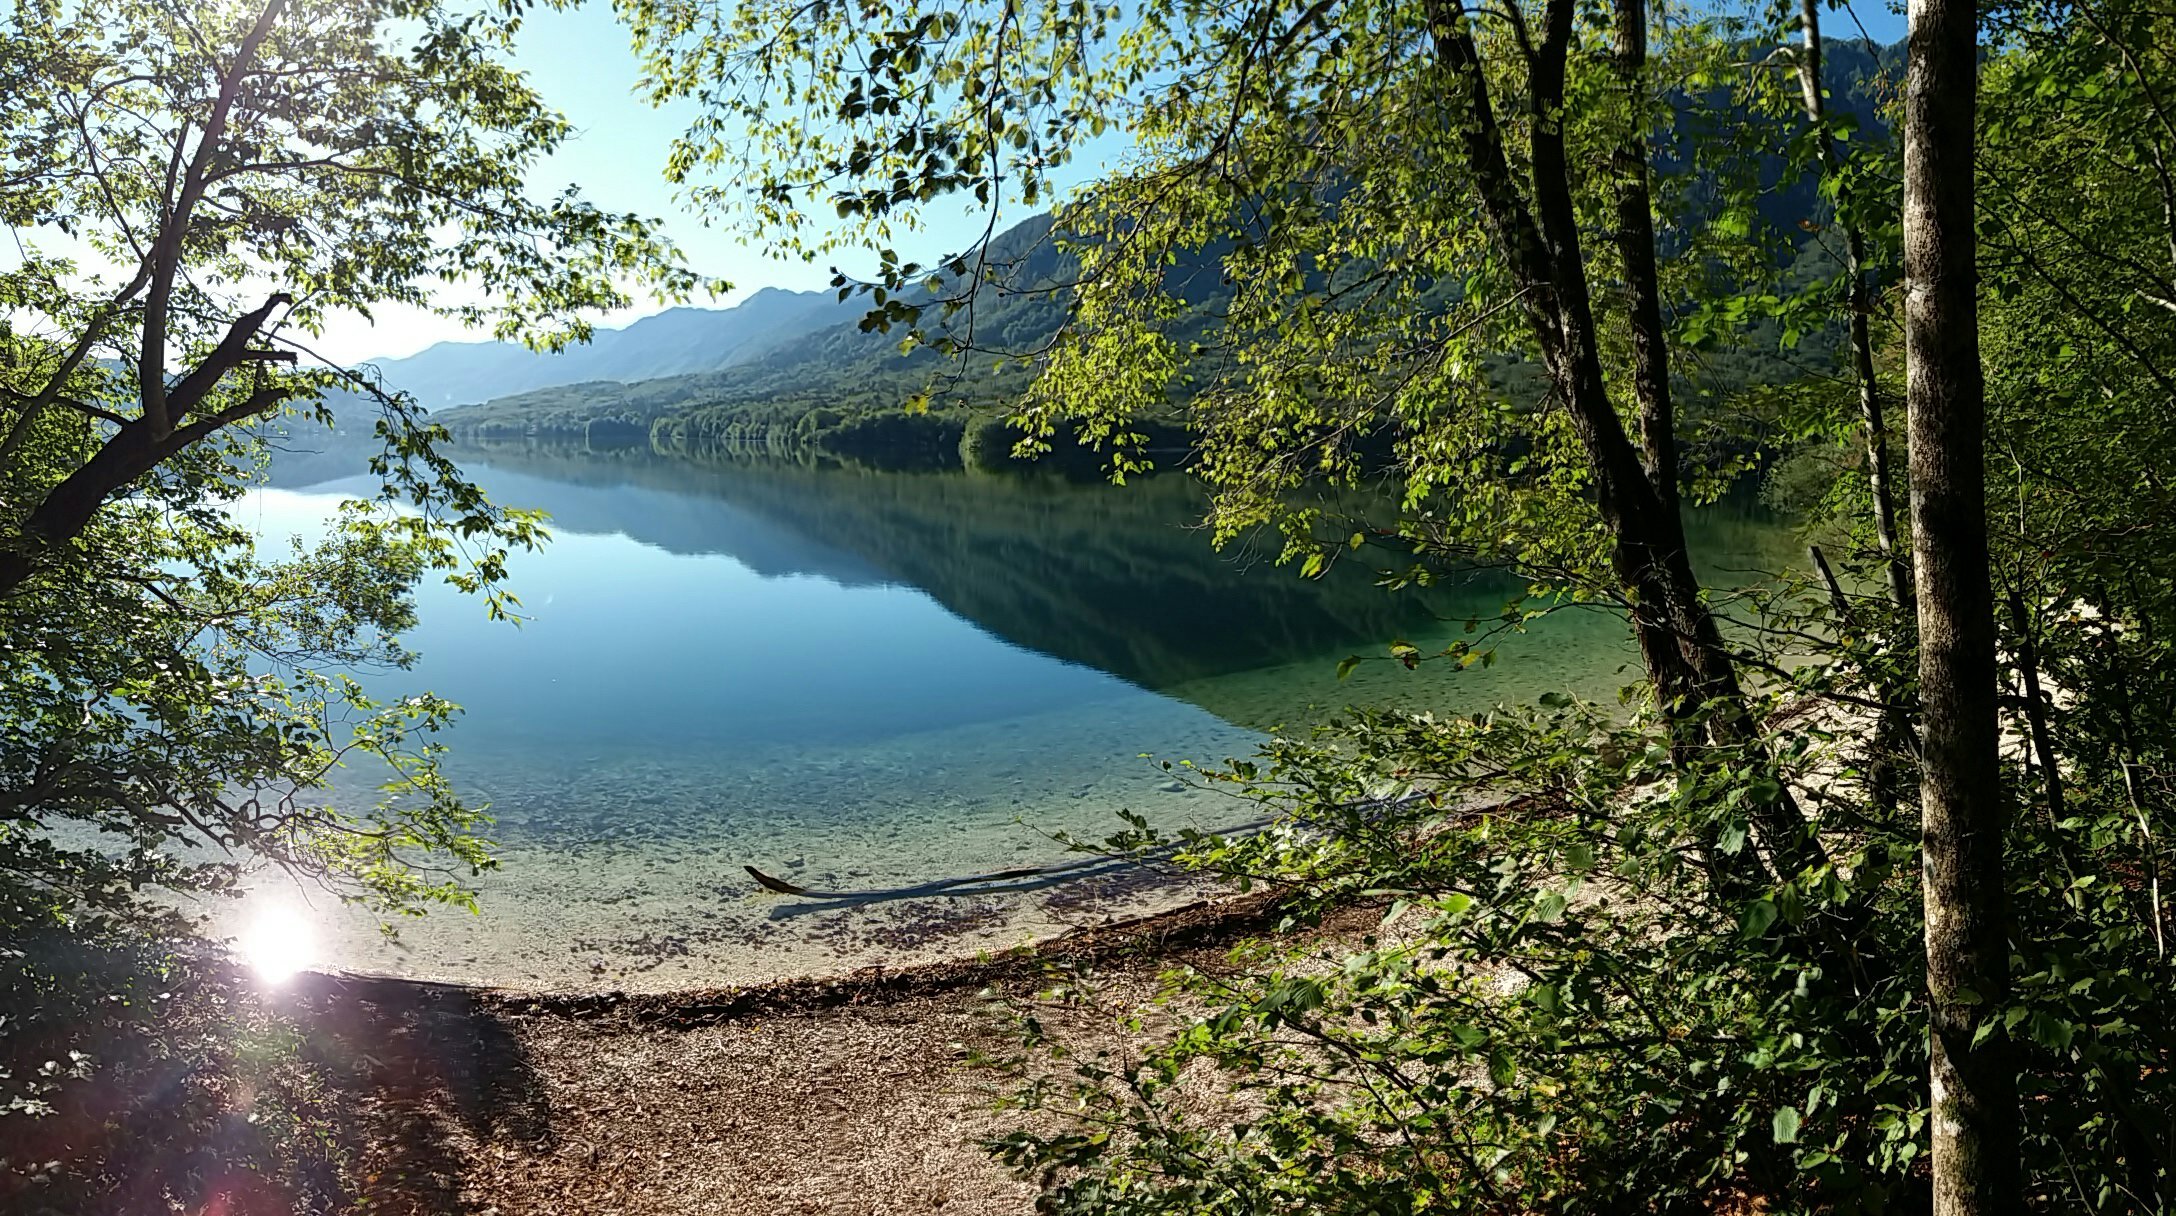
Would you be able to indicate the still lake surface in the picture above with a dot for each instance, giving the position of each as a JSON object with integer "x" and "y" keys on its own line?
{"x": 865, "y": 679}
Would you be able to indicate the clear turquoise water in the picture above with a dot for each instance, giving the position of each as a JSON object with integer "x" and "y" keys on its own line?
{"x": 865, "y": 679}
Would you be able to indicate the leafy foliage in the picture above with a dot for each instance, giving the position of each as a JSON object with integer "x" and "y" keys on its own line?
{"x": 1661, "y": 959}
{"x": 1559, "y": 1009}
{"x": 196, "y": 190}
{"x": 163, "y": 678}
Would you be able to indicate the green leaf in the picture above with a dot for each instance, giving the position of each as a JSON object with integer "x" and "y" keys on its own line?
{"x": 1731, "y": 839}
{"x": 1785, "y": 1125}
{"x": 1757, "y": 917}
{"x": 2052, "y": 1032}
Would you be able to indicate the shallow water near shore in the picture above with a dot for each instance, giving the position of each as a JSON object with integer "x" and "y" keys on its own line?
{"x": 861, "y": 680}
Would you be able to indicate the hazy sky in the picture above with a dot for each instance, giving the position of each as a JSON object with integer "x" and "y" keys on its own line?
{"x": 581, "y": 62}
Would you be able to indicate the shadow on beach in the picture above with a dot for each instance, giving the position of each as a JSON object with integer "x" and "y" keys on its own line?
{"x": 429, "y": 1072}
{"x": 209, "y": 1093}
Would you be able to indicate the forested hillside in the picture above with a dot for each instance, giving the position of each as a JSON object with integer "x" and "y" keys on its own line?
{"x": 845, "y": 388}
{"x": 843, "y": 375}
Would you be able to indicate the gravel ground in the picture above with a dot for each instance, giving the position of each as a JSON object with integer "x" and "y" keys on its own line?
{"x": 842, "y": 1096}
{"x": 862, "y": 1109}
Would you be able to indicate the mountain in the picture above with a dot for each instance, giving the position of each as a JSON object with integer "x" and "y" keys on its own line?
{"x": 837, "y": 387}
{"x": 676, "y": 342}
{"x": 830, "y": 373}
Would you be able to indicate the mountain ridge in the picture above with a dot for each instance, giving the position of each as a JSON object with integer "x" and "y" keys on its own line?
{"x": 826, "y": 382}
{"x": 678, "y": 341}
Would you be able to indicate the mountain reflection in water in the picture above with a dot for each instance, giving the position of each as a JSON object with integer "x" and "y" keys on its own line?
{"x": 1122, "y": 579}
{"x": 866, "y": 679}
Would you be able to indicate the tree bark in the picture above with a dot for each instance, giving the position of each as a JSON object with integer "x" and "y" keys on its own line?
{"x": 1679, "y": 640}
{"x": 1636, "y": 246}
{"x": 1973, "y": 1092}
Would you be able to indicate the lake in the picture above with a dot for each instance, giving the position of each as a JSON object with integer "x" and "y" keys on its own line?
{"x": 861, "y": 679}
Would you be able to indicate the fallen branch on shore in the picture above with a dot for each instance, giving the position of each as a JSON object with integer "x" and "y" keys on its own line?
{"x": 1028, "y": 878}
{"x": 997, "y": 882}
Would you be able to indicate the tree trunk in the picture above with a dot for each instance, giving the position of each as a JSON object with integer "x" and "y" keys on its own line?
{"x": 1539, "y": 240}
{"x": 1973, "y": 1091}
{"x": 1884, "y": 784}
{"x": 2036, "y": 706}
{"x": 1860, "y": 300}
{"x": 1872, "y": 417}
{"x": 1636, "y": 245}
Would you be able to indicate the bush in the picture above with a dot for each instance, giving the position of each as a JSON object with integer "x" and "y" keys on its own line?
{"x": 1570, "y": 1008}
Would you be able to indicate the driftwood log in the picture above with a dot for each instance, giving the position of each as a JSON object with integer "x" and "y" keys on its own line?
{"x": 1028, "y": 878}
{"x": 1024, "y": 878}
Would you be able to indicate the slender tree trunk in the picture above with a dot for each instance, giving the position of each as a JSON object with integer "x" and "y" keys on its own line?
{"x": 2036, "y": 705}
{"x": 1875, "y": 424}
{"x": 1883, "y": 779}
{"x": 1860, "y": 301}
{"x": 2127, "y": 724}
{"x": 1973, "y": 1090}
{"x": 1538, "y": 238}
{"x": 1636, "y": 246}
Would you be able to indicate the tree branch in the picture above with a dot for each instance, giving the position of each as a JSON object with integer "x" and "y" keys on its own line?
{"x": 174, "y": 225}
{"x": 232, "y": 351}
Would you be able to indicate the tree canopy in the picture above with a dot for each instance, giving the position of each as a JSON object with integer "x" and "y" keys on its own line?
{"x": 1693, "y": 953}
{"x": 196, "y": 191}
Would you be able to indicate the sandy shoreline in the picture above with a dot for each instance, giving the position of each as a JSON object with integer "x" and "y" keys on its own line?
{"x": 1189, "y": 924}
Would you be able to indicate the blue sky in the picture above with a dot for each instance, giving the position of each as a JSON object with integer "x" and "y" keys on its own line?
{"x": 581, "y": 62}
{"x": 1883, "y": 22}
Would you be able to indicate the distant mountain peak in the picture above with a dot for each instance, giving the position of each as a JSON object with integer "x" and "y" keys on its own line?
{"x": 682, "y": 340}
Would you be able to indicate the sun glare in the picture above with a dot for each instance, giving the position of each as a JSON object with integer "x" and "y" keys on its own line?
{"x": 277, "y": 944}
